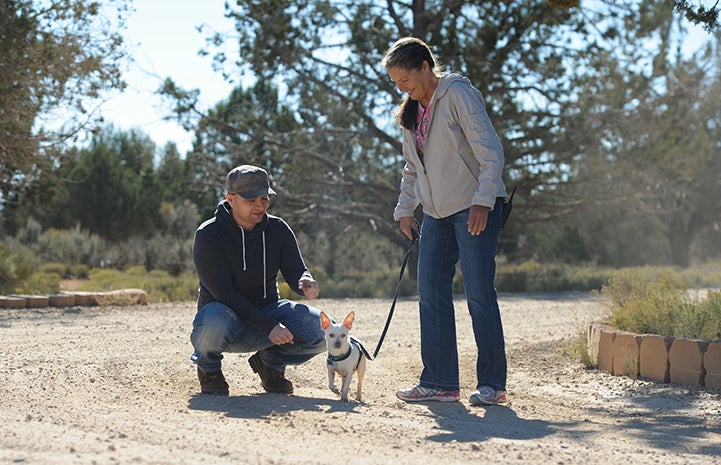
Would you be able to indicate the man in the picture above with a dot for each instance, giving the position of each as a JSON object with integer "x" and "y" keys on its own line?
{"x": 237, "y": 256}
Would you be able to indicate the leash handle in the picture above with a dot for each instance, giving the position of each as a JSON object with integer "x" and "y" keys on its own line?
{"x": 507, "y": 207}
{"x": 395, "y": 298}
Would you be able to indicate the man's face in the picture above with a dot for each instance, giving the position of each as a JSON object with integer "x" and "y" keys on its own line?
{"x": 248, "y": 212}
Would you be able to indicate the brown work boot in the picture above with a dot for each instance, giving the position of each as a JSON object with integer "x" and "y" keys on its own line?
{"x": 273, "y": 381}
{"x": 212, "y": 382}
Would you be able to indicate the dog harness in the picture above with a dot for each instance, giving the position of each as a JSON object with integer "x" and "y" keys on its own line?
{"x": 353, "y": 342}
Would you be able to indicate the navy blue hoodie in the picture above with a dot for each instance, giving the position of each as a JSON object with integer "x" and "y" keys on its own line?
{"x": 239, "y": 268}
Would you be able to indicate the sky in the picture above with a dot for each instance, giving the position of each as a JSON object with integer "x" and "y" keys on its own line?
{"x": 163, "y": 41}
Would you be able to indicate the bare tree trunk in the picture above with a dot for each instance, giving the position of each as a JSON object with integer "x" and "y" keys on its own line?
{"x": 680, "y": 237}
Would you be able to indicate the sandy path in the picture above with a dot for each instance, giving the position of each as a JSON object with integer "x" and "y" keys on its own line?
{"x": 114, "y": 385}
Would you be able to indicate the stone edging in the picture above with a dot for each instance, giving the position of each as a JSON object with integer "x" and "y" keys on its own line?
{"x": 659, "y": 358}
{"x": 76, "y": 298}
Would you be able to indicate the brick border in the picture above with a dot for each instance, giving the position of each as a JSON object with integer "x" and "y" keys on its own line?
{"x": 659, "y": 358}
{"x": 74, "y": 299}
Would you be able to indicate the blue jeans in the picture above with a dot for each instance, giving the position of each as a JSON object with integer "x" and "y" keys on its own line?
{"x": 443, "y": 242}
{"x": 217, "y": 329}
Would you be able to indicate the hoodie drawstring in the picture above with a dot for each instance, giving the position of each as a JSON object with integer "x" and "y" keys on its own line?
{"x": 265, "y": 265}
{"x": 242, "y": 233}
{"x": 265, "y": 290}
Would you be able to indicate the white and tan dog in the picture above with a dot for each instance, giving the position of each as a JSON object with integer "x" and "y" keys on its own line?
{"x": 346, "y": 355}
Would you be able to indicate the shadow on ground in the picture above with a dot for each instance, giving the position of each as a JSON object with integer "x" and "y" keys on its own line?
{"x": 267, "y": 405}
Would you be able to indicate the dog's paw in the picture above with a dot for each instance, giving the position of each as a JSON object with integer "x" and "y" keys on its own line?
{"x": 334, "y": 389}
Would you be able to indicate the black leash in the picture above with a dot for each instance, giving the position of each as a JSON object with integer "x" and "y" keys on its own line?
{"x": 507, "y": 207}
{"x": 393, "y": 305}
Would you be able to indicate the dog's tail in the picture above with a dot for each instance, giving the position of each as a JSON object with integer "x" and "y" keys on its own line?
{"x": 362, "y": 348}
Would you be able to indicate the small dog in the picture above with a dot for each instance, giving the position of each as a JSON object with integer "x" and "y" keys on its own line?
{"x": 346, "y": 355}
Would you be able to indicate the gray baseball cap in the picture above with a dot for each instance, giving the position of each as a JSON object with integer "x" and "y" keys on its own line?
{"x": 248, "y": 181}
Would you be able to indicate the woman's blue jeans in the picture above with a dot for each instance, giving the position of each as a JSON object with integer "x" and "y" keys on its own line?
{"x": 443, "y": 242}
{"x": 217, "y": 329}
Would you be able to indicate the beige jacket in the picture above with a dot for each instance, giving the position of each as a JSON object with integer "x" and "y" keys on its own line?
{"x": 463, "y": 155}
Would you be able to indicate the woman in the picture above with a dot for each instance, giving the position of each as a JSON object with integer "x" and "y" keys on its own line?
{"x": 454, "y": 162}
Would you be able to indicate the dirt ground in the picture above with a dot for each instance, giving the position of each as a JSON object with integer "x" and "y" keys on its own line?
{"x": 114, "y": 385}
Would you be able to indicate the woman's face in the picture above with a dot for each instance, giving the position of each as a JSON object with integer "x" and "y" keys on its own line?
{"x": 416, "y": 83}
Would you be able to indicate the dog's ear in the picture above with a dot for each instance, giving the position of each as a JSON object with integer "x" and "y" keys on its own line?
{"x": 324, "y": 321}
{"x": 348, "y": 322}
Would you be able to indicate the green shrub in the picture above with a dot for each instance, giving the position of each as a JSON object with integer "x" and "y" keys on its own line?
{"x": 532, "y": 276}
{"x": 57, "y": 268}
{"x": 284, "y": 291}
{"x": 40, "y": 283}
{"x": 138, "y": 271}
{"x": 702, "y": 276}
{"x": 107, "y": 279}
{"x": 163, "y": 287}
{"x": 17, "y": 264}
{"x": 69, "y": 246}
{"x": 578, "y": 349}
{"x": 379, "y": 283}
{"x": 709, "y": 313}
{"x": 79, "y": 271}
{"x": 651, "y": 303}
{"x": 158, "y": 284}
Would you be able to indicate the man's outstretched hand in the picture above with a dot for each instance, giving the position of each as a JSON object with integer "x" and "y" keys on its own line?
{"x": 308, "y": 287}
